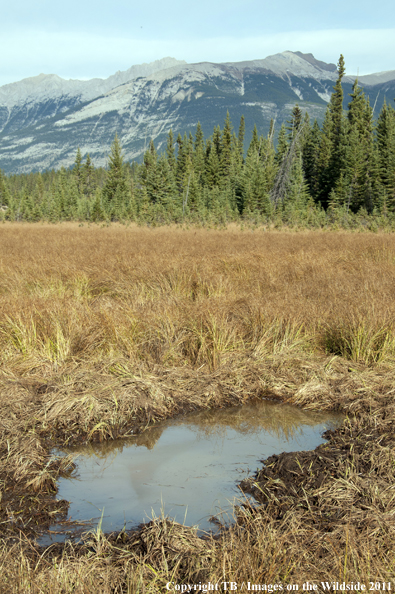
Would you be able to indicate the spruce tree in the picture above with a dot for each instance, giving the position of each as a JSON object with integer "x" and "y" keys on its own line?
{"x": 297, "y": 194}
{"x": 225, "y": 164}
{"x": 97, "y": 211}
{"x": 216, "y": 141}
{"x": 336, "y": 104}
{"x": 77, "y": 170}
{"x": 310, "y": 159}
{"x": 160, "y": 183}
{"x": 324, "y": 161}
{"x": 116, "y": 179}
{"x": 282, "y": 145}
{"x": 4, "y": 192}
{"x": 356, "y": 107}
{"x": 199, "y": 154}
{"x": 240, "y": 137}
{"x": 386, "y": 152}
{"x": 336, "y": 134}
{"x": 181, "y": 169}
{"x": 170, "y": 152}
{"x": 88, "y": 184}
{"x": 359, "y": 154}
{"x": 295, "y": 122}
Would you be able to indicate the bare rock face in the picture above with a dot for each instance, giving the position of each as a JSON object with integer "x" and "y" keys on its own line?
{"x": 45, "y": 118}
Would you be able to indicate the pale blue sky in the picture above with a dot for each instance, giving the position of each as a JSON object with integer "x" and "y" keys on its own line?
{"x": 86, "y": 38}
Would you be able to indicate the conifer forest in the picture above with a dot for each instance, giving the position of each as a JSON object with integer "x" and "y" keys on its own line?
{"x": 340, "y": 174}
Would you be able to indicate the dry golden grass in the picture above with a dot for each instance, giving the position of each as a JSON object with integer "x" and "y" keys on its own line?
{"x": 107, "y": 330}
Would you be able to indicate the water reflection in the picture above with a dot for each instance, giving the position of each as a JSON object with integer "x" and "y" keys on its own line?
{"x": 190, "y": 465}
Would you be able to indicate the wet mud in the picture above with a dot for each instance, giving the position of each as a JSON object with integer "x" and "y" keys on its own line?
{"x": 347, "y": 482}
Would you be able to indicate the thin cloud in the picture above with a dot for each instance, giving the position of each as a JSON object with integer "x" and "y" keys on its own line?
{"x": 74, "y": 55}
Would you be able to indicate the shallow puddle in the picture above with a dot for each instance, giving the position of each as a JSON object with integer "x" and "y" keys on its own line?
{"x": 187, "y": 468}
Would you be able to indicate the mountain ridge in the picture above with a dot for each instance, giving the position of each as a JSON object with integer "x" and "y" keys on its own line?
{"x": 89, "y": 89}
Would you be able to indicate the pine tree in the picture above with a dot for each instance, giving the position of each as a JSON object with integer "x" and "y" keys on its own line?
{"x": 335, "y": 134}
{"x": 116, "y": 178}
{"x": 268, "y": 162}
{"x": 40, "y": 186}
{"x": 282, "y": 145}
{"x": 160, "y": 183}
{"x": 150, "y": 160}
{"x": 353, "y": 169}
{"x": 324, "y": 161}
{"x": 370, "y": 182}
{"x": 386, "y": 152}
{"x": 4, "y": 191}
{"x": 356, "y": 107}
{"x": 240, "y": 137}
{"x": 181, "y": 169}
{"x": 358, "y": 154}
{"x": 189, "y": 150}
{"x": 297, "y": 194}
{"x": 295, "y": 122}
{"x": 258, "y": 177}
{"x": 216, "y": 141}
{"x": 310, "y": 159}
{"x": 199, "y": 154}
{"x": 77, "y": 170}
{"x": 336, "y": 105}
{"x": 71, "y": 200}
{"x": 170, "y": 152}
{"x": 212, "y": 166}
{"x": 225, "y": 164}
{"x": 254, "y": 144}
{"x": 88, "y": 169}
{"x": 97, "y": 211}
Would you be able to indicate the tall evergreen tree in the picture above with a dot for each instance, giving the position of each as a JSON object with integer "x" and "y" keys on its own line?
{"x": 88, "y": 184}
{"x": 295, "y": 122}
{"x": 212, "y": 165}
{"x": 335, "y": 134}
{"x": 310, "y": 159}
{"x": 324, "y": 161}
{"x": 336, "y": 105}
{"x": 225, "y": 164}
{"x": 115, "y": 183}
{"x": 240, "y": 137}
{"x": 282, "y": 145}
{"x": 170, "y": 152}
{"x": 77, "y": 170}
{"x": 199, "y": 154}
{"x": 4, "y": 192}
{"x": 386, "y": 152}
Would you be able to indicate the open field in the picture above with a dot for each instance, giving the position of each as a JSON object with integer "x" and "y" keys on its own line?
{"x": 104, "y": 331}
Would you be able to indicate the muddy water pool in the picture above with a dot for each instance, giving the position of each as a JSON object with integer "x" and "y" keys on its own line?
{"x": 186, "y": 468}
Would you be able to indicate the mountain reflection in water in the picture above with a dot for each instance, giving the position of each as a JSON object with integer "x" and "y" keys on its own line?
{"x": 188, "y": 467}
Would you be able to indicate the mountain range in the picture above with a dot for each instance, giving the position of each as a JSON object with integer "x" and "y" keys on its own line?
{"x": 44, "y": 119}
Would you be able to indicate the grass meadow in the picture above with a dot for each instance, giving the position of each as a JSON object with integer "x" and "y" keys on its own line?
{"x": 108, "y": 330}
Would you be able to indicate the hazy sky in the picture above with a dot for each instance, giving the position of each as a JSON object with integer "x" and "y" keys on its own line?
{"x": 86, "y": 38}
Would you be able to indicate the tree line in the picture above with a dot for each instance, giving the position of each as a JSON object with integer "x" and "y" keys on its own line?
{"x": 340, "y": 173}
